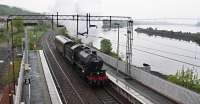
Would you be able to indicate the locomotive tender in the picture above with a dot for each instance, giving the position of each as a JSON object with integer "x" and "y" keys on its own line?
{"x": 89, "y": 63}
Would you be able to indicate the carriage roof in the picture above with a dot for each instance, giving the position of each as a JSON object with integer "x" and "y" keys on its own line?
{"x": 63, "y": 39}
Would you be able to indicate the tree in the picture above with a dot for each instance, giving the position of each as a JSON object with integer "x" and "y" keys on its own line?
{"x": 62, "y": 31}
{"x": 18, "y": 24}
{"x": 106, "y": 46}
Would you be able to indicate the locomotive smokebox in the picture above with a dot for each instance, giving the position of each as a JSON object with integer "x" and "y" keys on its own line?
{"x": 94, "y": 52}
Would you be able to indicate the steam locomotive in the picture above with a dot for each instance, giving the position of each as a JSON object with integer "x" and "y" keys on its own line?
{"x": 88, "y": 62}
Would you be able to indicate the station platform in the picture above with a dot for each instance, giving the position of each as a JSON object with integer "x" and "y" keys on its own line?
{"x": 38, "y": 85}
{"x": 140, "y": 92}
{"x": 42, "y": 89}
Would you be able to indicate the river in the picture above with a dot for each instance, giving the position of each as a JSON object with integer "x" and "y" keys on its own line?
{"x": 163, "y": 54}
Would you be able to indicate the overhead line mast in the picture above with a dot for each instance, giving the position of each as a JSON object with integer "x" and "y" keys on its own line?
{"x": 88, "y": 18}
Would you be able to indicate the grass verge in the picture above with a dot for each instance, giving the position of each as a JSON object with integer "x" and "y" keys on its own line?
{"x": 8, "y": 77}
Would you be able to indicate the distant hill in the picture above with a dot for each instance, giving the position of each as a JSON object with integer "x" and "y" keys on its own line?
{"x": 8, "y": 10}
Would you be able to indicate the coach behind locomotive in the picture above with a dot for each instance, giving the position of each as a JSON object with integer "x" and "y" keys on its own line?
{"x": 89, "y": 63}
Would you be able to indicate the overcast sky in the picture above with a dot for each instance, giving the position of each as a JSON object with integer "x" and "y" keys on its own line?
{"x": 135, "y": 8}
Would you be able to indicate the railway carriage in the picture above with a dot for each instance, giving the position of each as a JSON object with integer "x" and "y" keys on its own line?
{"x": 89, "y": 63}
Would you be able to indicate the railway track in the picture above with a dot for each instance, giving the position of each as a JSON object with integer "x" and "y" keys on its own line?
{"x": 72, "y": 88}
{"x": 106, "y": 97}
{"x": 57, "y": 83}
{"x": 69, "y": 93}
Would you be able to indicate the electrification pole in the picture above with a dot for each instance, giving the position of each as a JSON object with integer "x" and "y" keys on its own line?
{"x": 117, "y": 48}
{"x": 13, "y": 57}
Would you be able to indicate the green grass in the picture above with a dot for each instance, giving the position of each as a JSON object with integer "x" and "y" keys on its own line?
{"x": 35, "y": 35}
{"x": 8, "y": 78}
{"x": 2, "y": 37}
{"x": 34, "y": 39}
{"x": 186, "y": 78}
{"x": 62, "y": 31}
{"x": 17, "y": 37}
{"x": 113, "y": 54}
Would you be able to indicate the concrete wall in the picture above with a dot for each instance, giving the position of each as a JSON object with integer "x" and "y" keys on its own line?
{"x": 172, "y": 91}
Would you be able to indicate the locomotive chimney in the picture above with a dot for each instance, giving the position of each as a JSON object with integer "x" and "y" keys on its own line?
{"x": 94, "y": 52}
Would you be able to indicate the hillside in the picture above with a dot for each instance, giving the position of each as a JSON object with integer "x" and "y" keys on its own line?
{"x": 8, "y": 10}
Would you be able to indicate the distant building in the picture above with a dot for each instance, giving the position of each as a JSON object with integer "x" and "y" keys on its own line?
{"x": 2, "y": 21}
{"x": 3, "y": 18}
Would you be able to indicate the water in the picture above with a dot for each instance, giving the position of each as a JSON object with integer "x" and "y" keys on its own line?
{"x": 163, "y": 54}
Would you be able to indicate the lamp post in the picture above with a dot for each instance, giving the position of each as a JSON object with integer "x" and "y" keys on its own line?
{"x": 9, "y": 59}
{"x": 13, "y": 57}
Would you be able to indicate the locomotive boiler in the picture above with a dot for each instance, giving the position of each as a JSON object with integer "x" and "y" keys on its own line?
{"x": 88, "y": 62}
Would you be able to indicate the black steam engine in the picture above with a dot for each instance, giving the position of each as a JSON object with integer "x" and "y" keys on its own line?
{"x": 89, "y": 63}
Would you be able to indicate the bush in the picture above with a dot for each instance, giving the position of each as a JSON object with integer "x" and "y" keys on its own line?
{"x": 106, "y": 46}
{"x": 186, "y": 78}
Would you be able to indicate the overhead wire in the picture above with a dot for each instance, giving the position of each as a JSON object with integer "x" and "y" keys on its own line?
{"x": 172, "y": 53}
{"x": 157, "y": 43}
{"x": 161, "y": 55}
